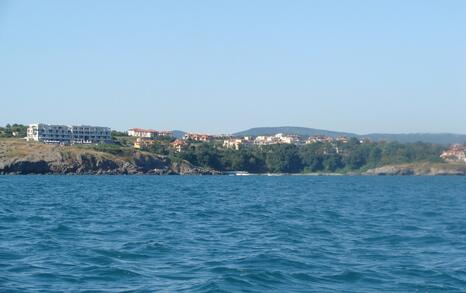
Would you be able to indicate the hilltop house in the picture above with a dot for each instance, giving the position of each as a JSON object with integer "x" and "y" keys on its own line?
{"x": 147, "y": 133}
{"x": 179, "y": 145}
{"x": 236, "y": 143}
{"x": 143, "y": 142}
{"x": 456, "y": 153}
{"x": 197, "y": 137}
{"x": 319, "y": 138}
{"x": 66, "y": 134}
{"x": 278, "y": 138}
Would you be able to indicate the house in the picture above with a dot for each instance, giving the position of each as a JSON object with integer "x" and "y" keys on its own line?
{"x": 319, "y": 138}
{"x": 287, "y": 138}
{"x": 342, "y": 139}
{"x": 179, "y": 145}
{"x": 456, "y": 153}
{"x": 66, "y": 134}
{"x": 147, "y": 133}
{"x": 278, "y": 138}
{"x": 143, "y": 142}
{"x": 235, "y": 143}
{"x": 265, "y": 140}
{"x": 197, "y": 137}
{"x": 165, "y": 133}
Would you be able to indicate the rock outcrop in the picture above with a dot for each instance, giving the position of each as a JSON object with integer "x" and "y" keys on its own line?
{"x": 17, "y": 157}
{"x": 422, "y": 169}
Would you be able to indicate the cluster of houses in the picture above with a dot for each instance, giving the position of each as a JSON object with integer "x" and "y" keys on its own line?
{"x": 70, "y": 134}
{"x": 280, "y": 138}
{"x": 146, "y": 137}
{"x": 83, "y": 134}
{"x": 456, "y": 153}
{"x": 148, "y": 133}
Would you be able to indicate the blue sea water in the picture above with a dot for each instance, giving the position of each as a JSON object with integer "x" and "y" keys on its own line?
{"x": 230, "y": 234}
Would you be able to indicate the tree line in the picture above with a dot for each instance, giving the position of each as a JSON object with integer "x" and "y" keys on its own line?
{"x": 317, "y": 157}
{"x": 13, "y": 130}
{"x": 278, "y": 158}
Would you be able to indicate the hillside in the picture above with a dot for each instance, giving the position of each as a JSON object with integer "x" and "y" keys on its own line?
{"x": 436, "y": 138}
{"x": 178, "y": 133}
{"x": 20, "y": 157}
{"x": 303, "y": 131}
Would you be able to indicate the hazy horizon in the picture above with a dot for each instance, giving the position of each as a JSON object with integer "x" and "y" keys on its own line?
{"x": 217, "y": 67}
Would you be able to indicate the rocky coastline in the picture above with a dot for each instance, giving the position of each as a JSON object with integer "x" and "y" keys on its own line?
{"x": 19, "y": 158}
{"x": 420, "y": 169}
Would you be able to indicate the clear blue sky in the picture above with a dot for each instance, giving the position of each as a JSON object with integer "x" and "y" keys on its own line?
{"x": 223, "y": 66}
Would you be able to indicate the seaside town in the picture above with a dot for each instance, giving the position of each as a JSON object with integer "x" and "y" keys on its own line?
{"x": 145, "y": 138}
{"x": 64, "y": 134}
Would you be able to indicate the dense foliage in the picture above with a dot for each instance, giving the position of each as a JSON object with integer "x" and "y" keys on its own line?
{"x": 278, "y": 158}
{"x": 318, "y": 157}
{"x": 15, "y": 130}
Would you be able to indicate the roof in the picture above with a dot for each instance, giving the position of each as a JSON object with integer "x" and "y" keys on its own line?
{"x": 144, "y": 130}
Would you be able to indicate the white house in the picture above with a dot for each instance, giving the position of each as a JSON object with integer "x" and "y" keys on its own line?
{"x": 147, "y": 133}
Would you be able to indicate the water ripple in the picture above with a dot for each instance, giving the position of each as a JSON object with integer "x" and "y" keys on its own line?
{"x": 228, "y": 234}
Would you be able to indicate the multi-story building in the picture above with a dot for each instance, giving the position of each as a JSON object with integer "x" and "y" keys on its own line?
{"x": 278, "y": 138}
{"x": 68, "y": 134}
{"x": 147, "y": 133}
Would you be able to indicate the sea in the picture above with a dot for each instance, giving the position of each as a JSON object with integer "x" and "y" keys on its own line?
{"x": 232, "y": 234}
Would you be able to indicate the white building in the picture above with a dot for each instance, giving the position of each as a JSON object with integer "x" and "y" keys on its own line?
{"x": 139, "y": 132}
{"x": 68, "y": 134}
{"x": 278, "y": 138}
{"x": 234, "y": 143}
{"x": 456, "y": 153}
{"x": 147, "y": 133}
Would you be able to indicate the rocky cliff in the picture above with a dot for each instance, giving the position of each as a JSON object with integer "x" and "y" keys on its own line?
{"x": 421, "y": 169}
{"x": 19, "y": 157}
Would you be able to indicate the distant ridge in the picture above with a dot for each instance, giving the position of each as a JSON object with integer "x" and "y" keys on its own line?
{"x": 437, "y": 138}
{"x": 304, "y": 131}
{"x": 178, "y": 133}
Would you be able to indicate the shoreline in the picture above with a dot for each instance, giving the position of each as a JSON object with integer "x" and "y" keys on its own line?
{"x": 20, "y": 158}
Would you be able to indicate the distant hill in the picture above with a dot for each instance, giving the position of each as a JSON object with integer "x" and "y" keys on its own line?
{"x": 437, "y": 138}
{"x": 303, "y": 131}
{"x": 178, "y": 133}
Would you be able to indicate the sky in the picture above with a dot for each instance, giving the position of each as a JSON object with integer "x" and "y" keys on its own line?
{"x": 393, "y": 66}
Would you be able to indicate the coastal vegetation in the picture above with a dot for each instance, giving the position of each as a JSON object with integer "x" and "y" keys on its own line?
{"x": 13, "y": 130}
{"x": 336, "y": 157}
{"x": 352, "y": 156}
{"x": 312, "y": 158}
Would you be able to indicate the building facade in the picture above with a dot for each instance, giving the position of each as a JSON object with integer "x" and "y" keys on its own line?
{"x": 68, "y": 134}
{"x": 148, "y": 133}
{"x": 179, "y": 145}
{"x": 143, "y": 142}
{"x": 198, "y": 137}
